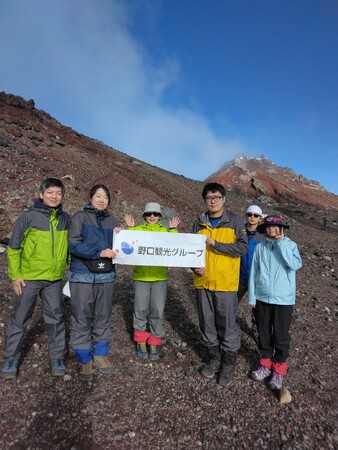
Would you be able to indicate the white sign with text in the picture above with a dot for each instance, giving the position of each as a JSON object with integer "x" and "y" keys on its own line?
{"x": 147, "y": 248}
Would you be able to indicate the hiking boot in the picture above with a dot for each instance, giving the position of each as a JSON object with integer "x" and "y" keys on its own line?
{"x": 154, "y": 352}
{"x": 10, "y": 368}
{"x": 225, "y": 376}
{"x": 261, "y": 373}
{"x": 210, "y": 369}
{"x": 58, "y": 367}
{"x": 276, "y": 381}
{"x": 86, "y": 371}
{"x": 142, "y": 351}
{"x": 227, "y": 368}
{"x": 103, "y": 364}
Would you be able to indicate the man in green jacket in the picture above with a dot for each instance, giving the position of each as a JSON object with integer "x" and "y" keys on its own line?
{"x": 150, "y": 284}
{"x": 37, "y": 257}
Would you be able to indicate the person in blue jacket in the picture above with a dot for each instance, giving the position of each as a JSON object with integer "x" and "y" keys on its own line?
{"x": 91, "y": 279}
{"x": 272, "y": 289}
{"x": 254, "y": 216}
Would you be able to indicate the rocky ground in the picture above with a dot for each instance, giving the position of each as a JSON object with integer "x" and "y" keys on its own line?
{"x": 168, "y": 404}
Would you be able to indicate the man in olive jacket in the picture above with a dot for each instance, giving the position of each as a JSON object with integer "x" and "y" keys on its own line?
{"x": 37, "y": 257}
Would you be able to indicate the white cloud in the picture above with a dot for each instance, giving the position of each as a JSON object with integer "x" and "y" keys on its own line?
{"x": 82, "y": 65}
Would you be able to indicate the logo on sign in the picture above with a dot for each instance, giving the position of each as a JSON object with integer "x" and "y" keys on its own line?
{"x": 127, "y": 248}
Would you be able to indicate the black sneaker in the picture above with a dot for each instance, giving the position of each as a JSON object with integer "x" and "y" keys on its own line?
{"x": 209, "y": 370}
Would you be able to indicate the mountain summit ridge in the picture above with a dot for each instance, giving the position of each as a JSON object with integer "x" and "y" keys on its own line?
{"x": 258, "y": 176}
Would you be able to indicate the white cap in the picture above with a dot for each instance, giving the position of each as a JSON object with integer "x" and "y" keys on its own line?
{"x": 254, "y": 209}
{"x": 152, "y": 207}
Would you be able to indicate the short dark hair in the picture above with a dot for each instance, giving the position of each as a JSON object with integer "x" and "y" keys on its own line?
{"x": 213, "y": 187}
{"x": 52, "y": 182}
{"x": 96, "y": 188}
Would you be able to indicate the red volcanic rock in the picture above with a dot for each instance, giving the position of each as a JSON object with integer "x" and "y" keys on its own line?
{"x": 257, "y": 177}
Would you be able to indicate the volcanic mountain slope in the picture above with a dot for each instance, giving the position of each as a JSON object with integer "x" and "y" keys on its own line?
{"x": 33, "y": 146}
{"x": 259, "y": 177}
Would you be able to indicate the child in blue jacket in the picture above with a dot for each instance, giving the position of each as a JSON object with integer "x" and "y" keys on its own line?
{"x": 272, "y": 289}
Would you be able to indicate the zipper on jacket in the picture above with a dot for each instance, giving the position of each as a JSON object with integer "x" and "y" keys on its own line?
{"x": 53, "y": 228}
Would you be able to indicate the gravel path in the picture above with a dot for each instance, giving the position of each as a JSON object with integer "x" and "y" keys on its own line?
{"x": 167, "y": 404}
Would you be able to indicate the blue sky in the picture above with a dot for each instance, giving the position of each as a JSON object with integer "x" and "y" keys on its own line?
{"x": 185, "y": 85}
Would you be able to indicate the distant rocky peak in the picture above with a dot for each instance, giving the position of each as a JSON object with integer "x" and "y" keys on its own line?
{"x": 258, "y": 176}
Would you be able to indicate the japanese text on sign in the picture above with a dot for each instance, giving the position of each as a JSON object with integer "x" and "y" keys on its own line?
{"x": 142, "y": 248}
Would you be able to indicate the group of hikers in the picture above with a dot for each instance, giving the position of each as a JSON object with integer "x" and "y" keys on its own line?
{"x": 252, "y": 256}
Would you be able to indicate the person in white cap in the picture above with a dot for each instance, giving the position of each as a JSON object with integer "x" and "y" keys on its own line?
{"x": 150, "y": 283}
{"x": 254, "y": 216}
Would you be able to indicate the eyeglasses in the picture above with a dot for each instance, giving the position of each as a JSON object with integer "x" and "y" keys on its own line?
{"x": 255, "y": 215}
{"x": 155, "y": 214}
{"x": 214, "y": 198}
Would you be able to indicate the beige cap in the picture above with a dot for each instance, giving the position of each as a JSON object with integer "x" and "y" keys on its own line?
{"x": 152, "y": 207}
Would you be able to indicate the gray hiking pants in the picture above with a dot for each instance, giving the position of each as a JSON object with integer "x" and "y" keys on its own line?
{"x": 217, "y": 313}
{"x": 24, "y": 305}
{"x": 149, "y": 303}
{"x": 91, "y": 305}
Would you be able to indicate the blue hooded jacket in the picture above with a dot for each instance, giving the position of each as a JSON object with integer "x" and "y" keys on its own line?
{"x": 273, "y": 272}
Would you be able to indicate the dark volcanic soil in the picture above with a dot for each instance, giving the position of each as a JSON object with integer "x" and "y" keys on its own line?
{"x": 168, "y": 404}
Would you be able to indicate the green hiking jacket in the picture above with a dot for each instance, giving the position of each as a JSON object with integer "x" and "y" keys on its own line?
{"x": 38, "y": 247}
{"x": 151, "y": 273}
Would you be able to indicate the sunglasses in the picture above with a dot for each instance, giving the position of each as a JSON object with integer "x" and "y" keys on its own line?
{"x": 155, "y": 214}
{"x": 255, "y": 215}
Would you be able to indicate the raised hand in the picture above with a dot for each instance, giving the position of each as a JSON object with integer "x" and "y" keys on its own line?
{"x": 129, "y": 219}
{"x": 174, "y": 221}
